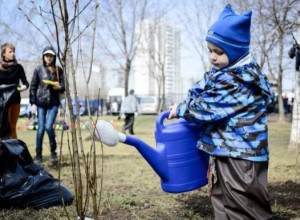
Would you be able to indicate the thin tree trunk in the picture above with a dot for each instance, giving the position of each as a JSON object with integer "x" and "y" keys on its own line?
{"x": 91, "y": 61}
{"x": 127, "y": 72}
{"x": 280, "y": 70}
{"x": 79, "y": 184}
{"x": 163, "y": 97}
{"x": 295, "y": 130}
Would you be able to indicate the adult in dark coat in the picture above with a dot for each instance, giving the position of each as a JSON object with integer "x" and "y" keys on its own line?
{"x": 46, "y": 85}
{"x": 11, "y": 73}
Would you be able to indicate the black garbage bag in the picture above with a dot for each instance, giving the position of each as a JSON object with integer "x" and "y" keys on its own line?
{"x": 6, "y": 91}
{"x": 24, "y": 184}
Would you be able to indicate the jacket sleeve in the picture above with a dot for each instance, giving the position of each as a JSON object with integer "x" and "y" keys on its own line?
{"x": 23, "y": 77}
{"x": 219, "y": 99}
{"x": 61, "y": 79}
{"x": 34, "y": 86}
{"x": 297, "y": 61}
{"x": 292, "y": 52}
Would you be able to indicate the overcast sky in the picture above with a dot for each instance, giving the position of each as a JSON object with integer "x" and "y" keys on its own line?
{"x": 16, "y": 27}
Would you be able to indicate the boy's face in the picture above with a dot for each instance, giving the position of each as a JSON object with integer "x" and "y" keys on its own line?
{"x": 217, "y": 56}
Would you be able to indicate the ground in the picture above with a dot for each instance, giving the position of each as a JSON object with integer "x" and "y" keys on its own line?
{"x": 131, "y": 189}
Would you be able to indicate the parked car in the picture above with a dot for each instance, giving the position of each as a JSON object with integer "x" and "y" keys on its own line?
{"x": 115, "y": 97}
{"x": 95, "y": 106}
{"x": 25, "y": 108}
{"x": 150, "y": 104}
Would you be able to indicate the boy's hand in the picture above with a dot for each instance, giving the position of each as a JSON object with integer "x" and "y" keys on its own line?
{"x": 173, "y": 111}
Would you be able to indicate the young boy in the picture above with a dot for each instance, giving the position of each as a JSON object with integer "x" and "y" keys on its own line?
{"x": 230, "y": 105}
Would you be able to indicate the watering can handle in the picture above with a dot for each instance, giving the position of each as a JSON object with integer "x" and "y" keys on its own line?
{"x": 160, "y": 119}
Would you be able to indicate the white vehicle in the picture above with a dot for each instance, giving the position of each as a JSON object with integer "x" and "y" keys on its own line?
{"x": 115, "y": 97}
{"x": 25, "y": 108}
{"x": 149, "y": 104}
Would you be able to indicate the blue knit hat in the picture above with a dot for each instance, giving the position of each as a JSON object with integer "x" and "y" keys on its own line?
{"x": 231, "y": 32}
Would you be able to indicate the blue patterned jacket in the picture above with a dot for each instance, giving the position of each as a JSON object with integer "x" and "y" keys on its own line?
{"x": 230, "y": 105}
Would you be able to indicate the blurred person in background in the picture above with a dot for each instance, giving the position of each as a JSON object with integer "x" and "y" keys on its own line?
{"x": 129, "y": 109}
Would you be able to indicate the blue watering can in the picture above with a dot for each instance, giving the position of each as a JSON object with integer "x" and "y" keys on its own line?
{"x": 177, "y": 161}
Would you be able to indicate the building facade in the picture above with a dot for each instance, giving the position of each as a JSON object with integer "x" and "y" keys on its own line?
{"x": 156, "y": 67}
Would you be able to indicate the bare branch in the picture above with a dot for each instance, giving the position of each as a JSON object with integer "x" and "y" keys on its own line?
{"x": 81, "y": 32}
{"x": 36, "y": 27}
{"x": 76, "y": 15}
{"x": 43, "y": 18}
{"x": 59, "y": 52}
{"x": 133, "y": 41}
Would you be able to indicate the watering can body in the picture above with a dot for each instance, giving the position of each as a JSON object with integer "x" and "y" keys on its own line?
{"x": 181, "y": 166}
{"x": 187, "y": 166}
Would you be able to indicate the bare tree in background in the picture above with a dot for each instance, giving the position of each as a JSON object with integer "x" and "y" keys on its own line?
{"x": 14, "y": 28}
{"x": 156, "y": 51}
{"x": 295, "y": 130}
{"x": 121, "y": 39}
{"x": 272, "y": 24}
{"x": 196, "y": 18}
{"x": 87, "y": 76}
{"x": 60, "y": 20}
{"x": 262, "y": 39}
{"x": 154, "y": 47}
{"x": 278, "y": 14}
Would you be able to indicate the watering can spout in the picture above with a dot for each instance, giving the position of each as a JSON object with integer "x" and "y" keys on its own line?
{"x": 156, "y": 158}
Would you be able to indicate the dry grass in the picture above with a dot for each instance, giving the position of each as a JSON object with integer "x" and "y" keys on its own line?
{"x": 132, "y": 190}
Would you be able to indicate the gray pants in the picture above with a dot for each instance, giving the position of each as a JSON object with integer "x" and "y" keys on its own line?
{"x": 240, "y": 192}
